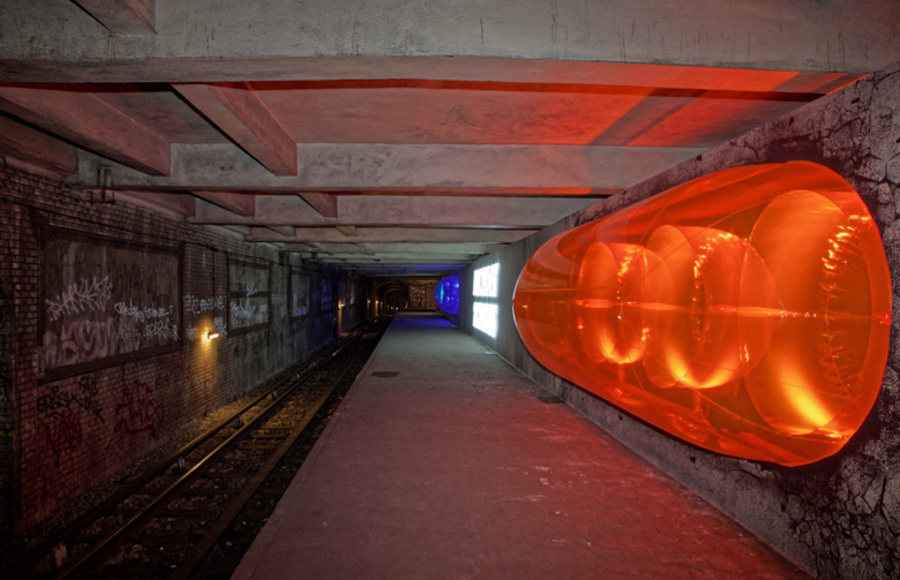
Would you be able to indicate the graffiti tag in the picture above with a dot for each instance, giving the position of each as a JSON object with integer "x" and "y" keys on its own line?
{"x": 80, "y": 297}
{"x": 56, "y": 403}
{"x": 194, "y": 305}
{"x": 138, "y": 411}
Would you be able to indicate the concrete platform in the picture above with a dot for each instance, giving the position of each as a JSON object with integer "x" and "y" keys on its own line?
{"x": 443, "y": 463}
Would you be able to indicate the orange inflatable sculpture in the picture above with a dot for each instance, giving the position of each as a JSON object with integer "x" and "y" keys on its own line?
{"x": 747, "y": 312}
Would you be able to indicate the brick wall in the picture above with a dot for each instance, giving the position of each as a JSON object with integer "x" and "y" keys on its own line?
{"x": 75, "y": 431}
{"x": 7, "y": 450}
{"x": 839, "y": 517}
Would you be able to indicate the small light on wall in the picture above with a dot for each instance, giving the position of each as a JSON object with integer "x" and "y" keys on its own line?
{"x": 213, "y": 334}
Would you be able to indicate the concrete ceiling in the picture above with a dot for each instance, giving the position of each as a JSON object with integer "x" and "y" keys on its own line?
{"x": 399, "y": 139}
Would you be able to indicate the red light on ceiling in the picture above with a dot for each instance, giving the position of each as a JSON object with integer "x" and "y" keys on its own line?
{"x": 746, "y": 312}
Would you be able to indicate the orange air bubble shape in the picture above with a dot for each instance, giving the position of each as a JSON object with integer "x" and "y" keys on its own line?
{"x": 746, "y": 312}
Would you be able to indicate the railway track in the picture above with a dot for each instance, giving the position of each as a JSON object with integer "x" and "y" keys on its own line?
{"x": 195, "y": 513}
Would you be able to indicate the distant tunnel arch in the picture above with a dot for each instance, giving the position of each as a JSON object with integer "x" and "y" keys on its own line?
{"x": 393, "y": 294}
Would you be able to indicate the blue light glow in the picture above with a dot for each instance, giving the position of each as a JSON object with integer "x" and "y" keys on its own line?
{"x": 446, "y": 294}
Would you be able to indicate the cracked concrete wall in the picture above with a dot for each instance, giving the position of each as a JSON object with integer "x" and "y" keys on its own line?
{"x": 839, "y": 517}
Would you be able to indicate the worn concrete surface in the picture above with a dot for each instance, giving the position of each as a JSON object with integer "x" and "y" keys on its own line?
{"x": 799, "y": 35}
{"x": 444, "y": 463}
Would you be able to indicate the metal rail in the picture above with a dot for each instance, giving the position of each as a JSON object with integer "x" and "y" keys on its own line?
{"x": 145, "y": 513}
{"x": 296, "y": 377}
{"x": 195, "y": 557}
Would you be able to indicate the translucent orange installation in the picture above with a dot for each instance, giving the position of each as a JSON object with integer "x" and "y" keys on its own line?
{"x": 747, "y": 312}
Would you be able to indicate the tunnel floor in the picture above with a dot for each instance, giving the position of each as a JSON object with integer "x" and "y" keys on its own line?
{"x": 445, "y": 462}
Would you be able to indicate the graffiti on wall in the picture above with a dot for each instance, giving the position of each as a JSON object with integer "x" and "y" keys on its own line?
{"x": 56, "y": 402}
{"x": 196, "y": 306}
{"x": 421, "y": 295}
{"x": 138, "y": 411}
{"x": 63, "y": 410}
{"x": 84, "y": 295}
{"x": 156, "y": 322}
{"x": 64, "y": 433}
{"x": 196, "y": 311}
{"x": 299, "y": 294}
{"x": 248, "y": 295}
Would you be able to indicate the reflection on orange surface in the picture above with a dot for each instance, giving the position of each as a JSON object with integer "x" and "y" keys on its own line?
{"x": 747, "y": 312}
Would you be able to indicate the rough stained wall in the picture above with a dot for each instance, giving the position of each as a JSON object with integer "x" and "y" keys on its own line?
{"x": 95, "y": 415}
{"x": 7, "y": 393}
{"x": 839, "y": 517}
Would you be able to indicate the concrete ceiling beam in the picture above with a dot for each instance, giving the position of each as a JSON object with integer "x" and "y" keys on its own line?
{"x": 241, "y": 230}
{"x": 393, "y": 234}
{"x": 393, "y": 271}
{"x": 287, "y": 231}
{"x": 437, "y": 168}
{"x": 380, "y": 210}
{"x": 179, "y": 205}
{"x": 394, "y": 258}
{"x": 239, "y": 113}
{"x": 488, "y": 70}
{"x": 92, "y": 123}
{"x": 395, "y": 252}
{"x": 324, "y": 203}
{"x": 25, "y": 144}
{"x": 861, "y": 34}
{"x": 123, "y": 16}
{"x": 241, "y": 204}
{"x": 408, "y": 248}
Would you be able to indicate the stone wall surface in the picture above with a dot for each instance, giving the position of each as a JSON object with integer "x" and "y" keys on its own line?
{"x": 74, "y": 429}
{"x": 839, "y": 517}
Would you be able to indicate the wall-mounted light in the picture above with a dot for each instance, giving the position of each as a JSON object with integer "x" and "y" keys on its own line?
{"x": 212, "y": 334}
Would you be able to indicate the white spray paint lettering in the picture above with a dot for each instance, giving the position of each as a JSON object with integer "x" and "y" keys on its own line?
{"x": 80, "y": 297}
{"x": 143, "y": 314}
{"x": 195, "y": 305}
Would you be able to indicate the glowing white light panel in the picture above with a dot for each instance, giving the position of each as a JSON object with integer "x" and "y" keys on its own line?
{"x": 484, "y": 318}
{"x": 485, "y": 282}
{"x": 484, "y": 313}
